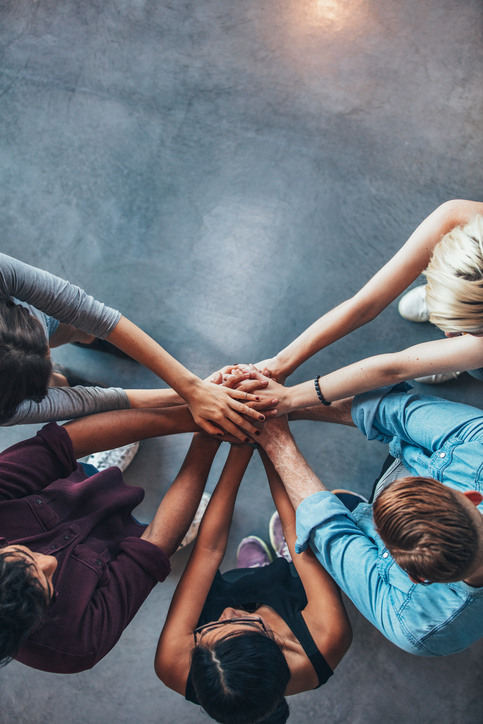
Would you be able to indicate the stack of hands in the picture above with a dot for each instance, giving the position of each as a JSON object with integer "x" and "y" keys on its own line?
{"x": 264, "y": 395}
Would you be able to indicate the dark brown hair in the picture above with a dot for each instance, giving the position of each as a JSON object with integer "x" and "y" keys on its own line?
{"x": 25, "y": 365}
{"x": 427, "y": 530}
{"x": 23, "y": 603}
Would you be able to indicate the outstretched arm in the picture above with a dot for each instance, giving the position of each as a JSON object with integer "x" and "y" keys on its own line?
{"x": 445, "y": 355}
{"x": 325, "y": 614}
{"x": 172, "y": 660}
{"x": 214, "y": 408}
{"x": 378, "y": 293}
{"x": 113, "y": 429}
{"x": 178, "y": 507}
{"x": 298, "y": 478}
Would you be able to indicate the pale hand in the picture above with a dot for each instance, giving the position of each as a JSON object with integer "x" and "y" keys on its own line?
{"x": 268, "y": 392}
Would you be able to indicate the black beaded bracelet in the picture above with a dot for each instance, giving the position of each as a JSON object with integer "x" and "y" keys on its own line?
{"x": 319, "y": 393}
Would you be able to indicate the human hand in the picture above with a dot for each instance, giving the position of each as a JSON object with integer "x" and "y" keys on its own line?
{"x": 218, "y": 376}
{"x": 267, "y": 390}
{"x": 272, "y": 367}
{"x": 219, "y": 407}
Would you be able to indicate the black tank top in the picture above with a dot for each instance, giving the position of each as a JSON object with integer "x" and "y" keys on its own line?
{"x": 278, "y": 586}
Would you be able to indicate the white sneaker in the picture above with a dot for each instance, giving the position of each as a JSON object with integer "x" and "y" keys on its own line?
{"x": 437, "y": 379}
{"x": 195, "y": 523}
{"x": 119, "y": 457}
{"x": 412, "y": 306}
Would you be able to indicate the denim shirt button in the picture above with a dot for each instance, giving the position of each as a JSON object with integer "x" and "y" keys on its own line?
{"x": 38, "y": 501}
{"x": 442, "y": 455}
{"x": 385, "y": 554}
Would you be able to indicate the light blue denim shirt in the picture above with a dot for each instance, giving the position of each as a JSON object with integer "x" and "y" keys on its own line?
{"x": 433, "y": 437}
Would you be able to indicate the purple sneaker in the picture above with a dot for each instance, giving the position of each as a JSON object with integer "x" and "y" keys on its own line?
{"x": 253, "y": 553}
{"x": 279, "y": 544}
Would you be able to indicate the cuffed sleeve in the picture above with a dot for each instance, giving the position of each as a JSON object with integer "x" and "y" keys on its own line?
{"x": 364, "y": 410}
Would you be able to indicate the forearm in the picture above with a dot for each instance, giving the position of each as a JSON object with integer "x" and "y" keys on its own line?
{"x": 112, "y": 429}
{"x": 297, "y": 476}
{"x": 215, "y": 527}
{"x": 445, "y": 355}
{"x": 153, "y": 398}
{"x": 282, "y": 501}
{"x": 179, "y": 504}
{"x": 141, "y": 347}
{"x": 214, "y": 407}
{"x": 339, "y": 412}
{"x": 333, "y": 325}
{"x": 387, "y": 284}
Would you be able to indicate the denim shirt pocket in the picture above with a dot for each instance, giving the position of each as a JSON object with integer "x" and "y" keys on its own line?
{"x": 440, "y": 460}
{"x": 392, "y": 574}
{"x": 96, "y": 561}
{"x": 384, "y": 563}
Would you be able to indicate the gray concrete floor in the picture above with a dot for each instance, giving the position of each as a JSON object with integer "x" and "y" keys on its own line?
{"x": 225, "y": 172}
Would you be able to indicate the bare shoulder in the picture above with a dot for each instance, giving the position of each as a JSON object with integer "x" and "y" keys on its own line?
{"x": 172, "y": 662}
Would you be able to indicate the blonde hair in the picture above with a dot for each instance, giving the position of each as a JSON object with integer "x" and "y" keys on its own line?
{"x": 454, "y": 290}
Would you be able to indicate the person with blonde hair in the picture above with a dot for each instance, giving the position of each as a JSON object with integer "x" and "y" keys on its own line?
{"x": 448, "y": 248}
{"x": 454, "y": 289}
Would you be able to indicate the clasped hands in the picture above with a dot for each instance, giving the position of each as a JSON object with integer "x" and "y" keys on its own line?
{"x": 249, "y": 379}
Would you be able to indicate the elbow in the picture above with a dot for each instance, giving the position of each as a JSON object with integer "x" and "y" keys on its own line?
{"x": 347, "y": 636}
{"x": 363, "y": 307}
{"x": 344, "y": 640}
{"x": 162, "y": 670}
{"x": 392, "y": 369}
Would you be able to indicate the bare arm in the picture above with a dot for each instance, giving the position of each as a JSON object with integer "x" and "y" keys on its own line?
{"x": 108, "y": 430}
{"x": 378, "y": 293}
{"x": 299, "y": 480}
{"x": 445, "y": 355}
{"x": 172, "y": 659}
{"x": 178, "y": 507}
{"x": 212, "y": 406}
{"x": 325, "y": 614}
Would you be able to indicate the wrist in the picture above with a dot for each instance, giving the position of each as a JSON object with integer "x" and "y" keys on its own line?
{"x": 192, "y": 389}
{"x": 300, "y": 396}
{"x": 284, "y": 364}
{"x": 277, "y": 443}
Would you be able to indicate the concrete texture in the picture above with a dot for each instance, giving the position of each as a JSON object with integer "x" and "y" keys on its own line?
{"x": 225, "y": 172}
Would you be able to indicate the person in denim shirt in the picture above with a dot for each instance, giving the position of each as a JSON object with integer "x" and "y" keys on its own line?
{"x": 433, "y": 438}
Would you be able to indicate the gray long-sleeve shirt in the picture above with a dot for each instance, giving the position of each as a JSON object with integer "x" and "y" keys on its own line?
{"x": 71, "y": 305}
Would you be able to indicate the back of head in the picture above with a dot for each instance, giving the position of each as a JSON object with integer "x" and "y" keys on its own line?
{"x": 427, "y": 530}
{"x": 25, "y": 365}
{"x": 241, "y": 679}
{"x": 23, "y": 604}
{"x": 454, "y": 290}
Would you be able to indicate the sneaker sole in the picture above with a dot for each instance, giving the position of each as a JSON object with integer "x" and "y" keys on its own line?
{"x": 260, "y": 542}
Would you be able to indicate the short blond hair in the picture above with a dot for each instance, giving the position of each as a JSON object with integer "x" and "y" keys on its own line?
{"x": 454, "y": 290}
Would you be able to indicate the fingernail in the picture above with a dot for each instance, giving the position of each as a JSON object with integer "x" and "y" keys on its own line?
{"x": 261, "y": 417}
{"x": 257, "y": 398}
{"x": 220, "y": 434}
{"x": 257, "y": 432}
{"x": 247, "y": 439}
